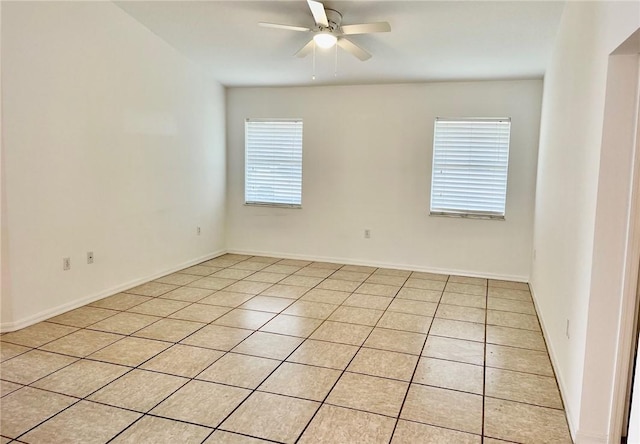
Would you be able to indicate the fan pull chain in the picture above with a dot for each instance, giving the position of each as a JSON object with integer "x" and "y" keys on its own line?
{"x": 313, "y": 77}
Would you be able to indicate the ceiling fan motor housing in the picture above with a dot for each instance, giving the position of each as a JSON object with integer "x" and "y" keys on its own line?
{"x": 334, "y": 18}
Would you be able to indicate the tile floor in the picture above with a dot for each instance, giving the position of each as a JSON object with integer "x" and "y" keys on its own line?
{"x": 244, "y": 349}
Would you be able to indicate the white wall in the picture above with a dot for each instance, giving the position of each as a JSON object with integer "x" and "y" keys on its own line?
{"x": 113, "y": 143}
{"x": 582, "y": 205}
{"x": 367, "y": 164}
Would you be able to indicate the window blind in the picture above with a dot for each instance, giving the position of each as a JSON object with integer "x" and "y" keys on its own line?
{"x": 273, "y": 162}
{"x": 470, "y": 165}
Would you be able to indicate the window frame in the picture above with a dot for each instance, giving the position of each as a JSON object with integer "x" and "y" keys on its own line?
{"x": 470, "y": 213}
{"x": 248, "y": 202}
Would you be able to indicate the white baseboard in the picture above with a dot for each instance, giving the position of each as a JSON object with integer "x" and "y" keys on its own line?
{"x": 49, "y": 313}
{"x": 350, "y": 261}
{"x": 554, "y": 362}
{"x": 583, "y": 437}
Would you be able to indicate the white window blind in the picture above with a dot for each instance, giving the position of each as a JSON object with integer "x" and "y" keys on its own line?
{"x": 273, "y": 162}
{"x": 470, "y": 165}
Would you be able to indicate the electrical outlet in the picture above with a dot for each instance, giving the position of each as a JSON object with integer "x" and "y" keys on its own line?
{"x": 90, "y": 257}
{"x": 198, "y": 231}
{"x": 66, "y": 263}
{"x": 367, "y": 234}
{"x": 567, "y": 332}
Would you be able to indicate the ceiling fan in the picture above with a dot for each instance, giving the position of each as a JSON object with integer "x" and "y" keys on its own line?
{"x": 329, "y": 31}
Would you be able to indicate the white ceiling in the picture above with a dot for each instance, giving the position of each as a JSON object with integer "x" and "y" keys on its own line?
{"x": 429, "y": 40}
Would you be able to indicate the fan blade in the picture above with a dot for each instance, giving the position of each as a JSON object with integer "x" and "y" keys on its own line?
{"x": 319, "y": 15}
{"x": 287, "y": 27}
{"x": 305, "y": 50}
{"x": 366, "y": 28}
{"x": 353, "y": 49}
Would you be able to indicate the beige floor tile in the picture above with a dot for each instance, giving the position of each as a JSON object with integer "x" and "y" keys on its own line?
{"x": 221, "y": 261}
{"x": 424, "y": 284}
{"x": 171, "y": 330}
{"x": 508, "y": 284}
{"x": 386, "y": 364}
{"x": 37, "y": 334}
{"x": 523, "y": 307}
{"x": 83, "y": 316}
{"x": 514, "y": 337}
{"x": 523, "y": 387}
{"x": 405, "y": 322}
{"x": 325, "y": 265}
{"x": 222, "y": 437}
{"x": 177, "y": 279}
{"x": 413, "y": 307}
{"x": 301, "y": 381}
{"x": 285, "y": 291}
{"x": 486, "y": 440}
{"x": 356, "y": 315}
{"x": 444, "y": 408}
{"x": 359, "y": 268}
{"x": 239, "y": 370}
{"x": 396, "y": 340}
{"x": 248, "y": 287}
{"x": 454, "y": 350}
{"x": 153, "y": 430}
{"x": 430, "y": 276}
{"x": 7, "y": 387}
{"x": 27, "y": 407}
{"x": 158, "y": 307}
{"x": 226, "y": 299}
{"x": 519, "y": 359}
{"x": 513, "y": 421}
{"x": 393, "y": 272}
{"x": 456, "y": 287}
{"x": 342, "y": 333}
{"x": 314, "y": 272}
{"x": 324, "y": 354}
{"x": 33, "y": 365}
{"x": 217, "y": 337}
{"x": 450, "y": 375}
{"x": 292, "y": 325}
{"x": 338, "y": 285}
{"x": 240, "y": 318}
{"x": 264, "y": 259}
{"x": 269, "y": 416}
{"x": 200, "y": 313}
{"x": 325, "y": 296}
{"x": 212, "y": 283}
{"x": 285, "y": 269}
{"x": 302, "y": 281}
{"x": 268, "y": 345}
{"x": 153, "y": 289}
{"x": 369, "y": 393}
{"x": 307, "y": 309}
{"x": 368, "y": 301}
{"x": 459, "y": 313}
{"x": 514, "y": 320}
{"x": 232, "y": 273}
{"x": 377, "y": 278}
{"x": 510, "y": 293}
{"x": 266, "y": 277}
{"x": 465, "y": 300}
{"x": 85, "y": 422}
{"x": 8, "y": 350}
{"x": 130, "y": 351}
{"x": 468, "y": 280}
{"x": 125, "y": 323}
{"x": 267, "y": 303}
{"x": 249, "y": 265}
{"x": 81, "y": 378}
{"x": 183, "y": 360}
{"x": 138, "y": 390}
{"x": 201, "y": 270}
{"x": 187, "y": 294}
{"x": 408, "y": 432}
{"x": 82, "y": 343}
{"x": 340, "y": 425}
{"x": 120, "y": 301}
{"x": 417, "y": 294}
{"x": 457, "y": 329}
{"x": 354, "y": 276}
{"x": 378, "y": 289}
{"x": 203, "y": 403}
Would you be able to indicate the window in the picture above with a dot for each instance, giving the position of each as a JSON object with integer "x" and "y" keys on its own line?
{"x": 273, "y": 162}
{"x": 470, "y": 164}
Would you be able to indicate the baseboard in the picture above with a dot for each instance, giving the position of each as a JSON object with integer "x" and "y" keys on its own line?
{"x": 591, "y": 438}
{"x": 46, "y": 314}
{"x": 554, "y": 362}
{"x": 350, "y": 261}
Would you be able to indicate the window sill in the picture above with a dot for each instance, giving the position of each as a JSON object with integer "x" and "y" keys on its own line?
{"x": 468, "y": 215}
{"x": 274, "y": 205}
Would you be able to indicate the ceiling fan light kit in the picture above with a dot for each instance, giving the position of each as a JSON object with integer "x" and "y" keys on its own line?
{"x": 325, "y": 40}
